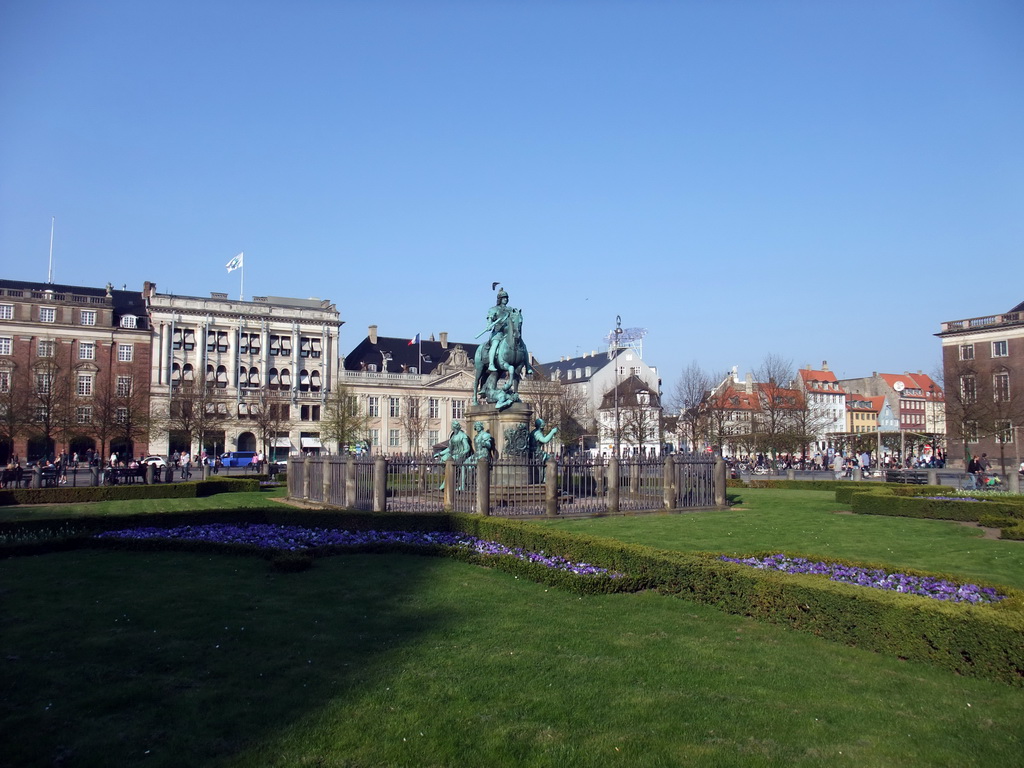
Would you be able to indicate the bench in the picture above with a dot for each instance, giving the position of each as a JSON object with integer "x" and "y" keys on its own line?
{"x": 906, "y": 476}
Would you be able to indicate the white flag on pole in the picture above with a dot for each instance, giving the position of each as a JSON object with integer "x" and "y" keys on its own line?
{"x": 235, "y": 263}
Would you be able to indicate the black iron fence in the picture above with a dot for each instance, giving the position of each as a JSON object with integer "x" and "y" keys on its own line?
{"x": 514, "y": 487}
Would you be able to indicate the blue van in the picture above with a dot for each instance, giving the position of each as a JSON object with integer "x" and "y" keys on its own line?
{"x": 237, "y": 458}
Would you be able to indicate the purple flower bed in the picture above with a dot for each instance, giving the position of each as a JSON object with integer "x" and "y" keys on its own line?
{"x": 952, "y": 498}
{"x": 294, "y": 538}
{"x": 938, "y": 589}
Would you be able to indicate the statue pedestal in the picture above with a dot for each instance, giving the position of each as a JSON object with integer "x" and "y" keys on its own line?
{"x": 511, "y": 431}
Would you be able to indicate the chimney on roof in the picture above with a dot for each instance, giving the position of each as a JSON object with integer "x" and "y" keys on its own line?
{"x": 431, "y": 338}
{"x": 372, "y": 333}
{"x": 148, "y": 289}
{"x": 824, "y": 365}
{"x": 444, "y": 339}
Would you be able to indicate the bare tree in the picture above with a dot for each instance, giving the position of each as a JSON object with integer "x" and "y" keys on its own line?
{"x": 688, "y": 399}
{"x": 195, "y": 411}
{"x": 414, "y": 421}
{"x": 16, "y": 407}
{"x": 776, "y": 402}
{"x": 131, "y": 411}
{"x": 52, "y": 401}
{"x": 269, "y": 415}
{"x": 343, "y": 419}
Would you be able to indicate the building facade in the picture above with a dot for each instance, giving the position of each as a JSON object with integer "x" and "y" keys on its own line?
{"x": 983, "y": 368}
{"x": 240, "y": 375}
{"x": 74, "y": 371}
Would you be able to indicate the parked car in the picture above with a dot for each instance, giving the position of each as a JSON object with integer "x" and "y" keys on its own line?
{"x": 237, "y": 458}
{"x": 157, "y": 461}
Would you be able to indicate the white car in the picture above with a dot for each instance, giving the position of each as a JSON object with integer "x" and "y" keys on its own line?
{"x": 156, "y": 461}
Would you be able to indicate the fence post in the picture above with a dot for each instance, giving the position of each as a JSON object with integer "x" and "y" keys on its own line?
{"x": 350, "y": 481}
{"x": 791, "y": 474}
{"x": 325, "y": 464}
{"x": 634, "y": 475}
{"x": 380, "y": 484}
{"x": 720, "y": 475}
{"x": 668, "y": 482}
{"x": 856, "y": 473}
{"x": 551, "y": 487}
{"x": 483, "y": 486}
{"x": 933, "y": 477}
{"x": 613, "y": 485}
{"x": 149, "y": 474}
{"x": 306, "y": 463}
{"x": 37, "y": 477}
{"x": 449, "y": 486}
{"x": 1012, "y": 481}
{"x": 94, "y": 475}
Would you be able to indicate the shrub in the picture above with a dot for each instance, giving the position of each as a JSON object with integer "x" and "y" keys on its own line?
{"x": 885, "y": 502}
{"x": 65, "y": 495}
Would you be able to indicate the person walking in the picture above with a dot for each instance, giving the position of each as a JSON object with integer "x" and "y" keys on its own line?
{"x": 839, "y": 466}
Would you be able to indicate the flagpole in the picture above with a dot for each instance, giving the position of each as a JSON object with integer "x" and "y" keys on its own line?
{"x": 241, "y": 283}
{"x": 49, "y": 269}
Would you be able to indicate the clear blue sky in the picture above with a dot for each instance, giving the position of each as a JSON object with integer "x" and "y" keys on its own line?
{"x": 816, "y": 180}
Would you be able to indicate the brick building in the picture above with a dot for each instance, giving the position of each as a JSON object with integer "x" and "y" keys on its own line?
{"x": 74, "y": 370}
{"x": 983, "y": 368}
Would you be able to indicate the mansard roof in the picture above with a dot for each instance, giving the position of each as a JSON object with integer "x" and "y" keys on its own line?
{"x": 123, "y": 302}
{"x": 404, "y": 356}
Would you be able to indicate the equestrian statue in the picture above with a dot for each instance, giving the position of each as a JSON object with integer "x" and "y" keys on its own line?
{"x": 503, "y": 354}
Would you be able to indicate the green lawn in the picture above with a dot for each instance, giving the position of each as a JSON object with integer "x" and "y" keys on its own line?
{"x": 812, "y": 523}
{"x": 179, "y": 659}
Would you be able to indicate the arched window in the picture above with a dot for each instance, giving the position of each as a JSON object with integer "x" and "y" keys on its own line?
{"x": 286, "y": 379}
{"x": 314, "y": 381}
{"x": 211, "y": 375}
{"x": 243, "y": 376}
{"x": 273, "y": 378}
{"x": 304, "y": 381}
{"x": 222, "y": 377}
{"x": 175, "y": 374}
{"x": 254, "y": 377}
{"x": 187, "y": 373}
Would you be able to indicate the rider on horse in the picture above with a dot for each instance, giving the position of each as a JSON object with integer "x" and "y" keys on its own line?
{"x": 497, "y": 324}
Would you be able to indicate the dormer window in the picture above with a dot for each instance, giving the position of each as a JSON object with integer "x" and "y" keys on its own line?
{"x": 129, "y": 321}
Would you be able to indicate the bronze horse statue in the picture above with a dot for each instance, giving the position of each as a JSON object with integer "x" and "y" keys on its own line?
{"x": 511, "y": 357}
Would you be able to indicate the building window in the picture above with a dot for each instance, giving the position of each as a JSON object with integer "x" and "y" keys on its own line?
{"x": 968, "y": 389}
{"x": 999, "y": 349}
{"x": 394, "y": 438}
{"x": 125, "y": 353}
{"x": 310, "y": 347}
{"x": 249, "y": 343}
{"x": 458, "y": 408}
{"x": 129, "y": 321}
{"x": 43, "y": 381}
{"x": 184, "y": 338}
{"x": 84, "y": 384}
{"x": 375, "y": 438}
{"x": 970, "y": 431}
{"x": 46, "y": 348}
{"x": 433, "y": 436}
{"x": 122, "y": 415}
{"x": 5, "y": 345}
{"x": 87, "y": 317}
{"x": 309, "y": 413}
{"x": 1004, "y": 431}
{"x": 83, "y": 414}
{"x": 5, "y": 381}
{"x": 86, "y": 350}
{"x": 124, "y": 386}
{"x": 47, "y": 315}
{"x": 394, "y": 407}
{"x": 6, "y": 311}
{"x": 373, "y": 406}
{"x": 1001, "y": 387}
{"x": 280, "y": 345}
{"x": 434, "y": 409}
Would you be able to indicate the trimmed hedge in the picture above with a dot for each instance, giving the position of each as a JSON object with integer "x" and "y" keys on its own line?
{"x": 185, "y": 490}
{"x": 885, "y": 502}
{"x": 982, "y": 641}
